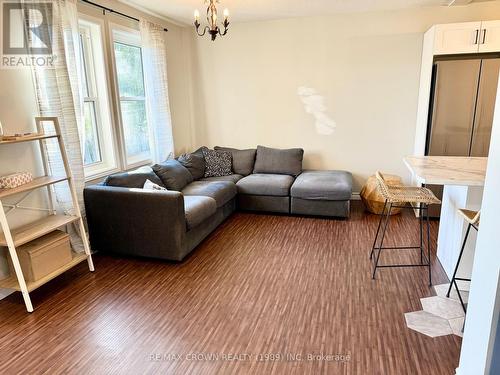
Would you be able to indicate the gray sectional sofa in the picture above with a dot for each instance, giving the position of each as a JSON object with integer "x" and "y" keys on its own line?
{"x": 168, "y": 224}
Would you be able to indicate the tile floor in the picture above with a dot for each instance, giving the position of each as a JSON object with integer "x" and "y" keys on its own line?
{"x": 439, "y": 316}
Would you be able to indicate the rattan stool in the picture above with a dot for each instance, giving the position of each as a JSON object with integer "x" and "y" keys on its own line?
{"x": 473, "y": 218}
{"x": 398, "y": 197}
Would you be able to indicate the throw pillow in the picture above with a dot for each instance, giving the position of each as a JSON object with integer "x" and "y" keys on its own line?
{"x": 273, "y": 160}
{"x": 148, "y": 185}
{"x": 243, "y": 160}
{"x": 173, "y": 174}
{"x": 195, "y": 164}
{"x": 218, "y": 163}
{"x": 133, "y": 179}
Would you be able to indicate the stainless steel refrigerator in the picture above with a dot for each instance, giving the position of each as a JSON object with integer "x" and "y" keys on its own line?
{"x": 461, "y": 110}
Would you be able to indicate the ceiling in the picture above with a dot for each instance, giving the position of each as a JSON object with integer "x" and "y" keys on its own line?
{"x": 258, "y": 10}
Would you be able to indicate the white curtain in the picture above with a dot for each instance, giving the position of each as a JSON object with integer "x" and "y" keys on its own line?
{"x": 58, "y": 92}
{"x": 156, "y": 84}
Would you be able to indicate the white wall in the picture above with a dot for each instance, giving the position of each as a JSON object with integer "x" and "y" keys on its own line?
{"x": 483, "y": 311}
{"x": 366, "y": 67}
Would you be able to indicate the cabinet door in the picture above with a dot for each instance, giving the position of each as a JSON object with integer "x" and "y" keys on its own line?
{"x": 489, "y": 39}
{"x": 454, "y": 38}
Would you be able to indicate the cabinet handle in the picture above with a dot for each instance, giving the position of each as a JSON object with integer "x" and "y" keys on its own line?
{"x": 476, "y": 39}
{"x": 484, "y": 36}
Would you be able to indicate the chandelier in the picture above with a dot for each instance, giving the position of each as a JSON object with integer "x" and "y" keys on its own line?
{"x": 212, "y": 28}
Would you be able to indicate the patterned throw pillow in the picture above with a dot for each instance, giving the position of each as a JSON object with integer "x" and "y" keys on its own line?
{"x": 218, "y": 163}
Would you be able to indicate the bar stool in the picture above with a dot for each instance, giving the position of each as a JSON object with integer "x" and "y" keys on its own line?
{"x": 398, "y": 197}
{"x": 473, "y": 218}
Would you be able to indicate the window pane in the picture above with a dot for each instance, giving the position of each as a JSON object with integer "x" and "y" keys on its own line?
{"x": 92, "y": 152}
{"x": 129, "y": 70}
{"x": 135, "y": 127}
{"x": 83, "y": 54}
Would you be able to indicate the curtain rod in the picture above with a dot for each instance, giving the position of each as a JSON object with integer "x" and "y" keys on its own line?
{"x": 106, "y": 9}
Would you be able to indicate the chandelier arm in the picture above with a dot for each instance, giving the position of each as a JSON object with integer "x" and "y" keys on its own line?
{"x": 226, "y": 28}
{"x": 205, "y": 29}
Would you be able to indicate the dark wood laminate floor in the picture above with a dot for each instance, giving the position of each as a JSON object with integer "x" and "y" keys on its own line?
{"x": 258, "y": 285}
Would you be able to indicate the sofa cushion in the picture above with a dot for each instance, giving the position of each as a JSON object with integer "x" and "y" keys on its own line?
{"x": 222, "y": 191}
{"x": 277, "y": 185}
{"x": 234, "y": 178}
{"x": 133, "y": 179}
{"x": 276, "y": 161}
{"x": 194, "y": 163}
{"x": 218, "y": 163}
{"x": 243, "y": 160}
{"x": 173, "y": 174}
{"x": 198, "y": 209}
{"x": 323, "y": 185}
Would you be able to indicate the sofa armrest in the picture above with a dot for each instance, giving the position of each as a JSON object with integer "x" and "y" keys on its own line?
{"x": 136, "y": 222}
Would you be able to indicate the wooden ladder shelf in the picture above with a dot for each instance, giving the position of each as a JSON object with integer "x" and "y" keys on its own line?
{"x": 12, "y": 238}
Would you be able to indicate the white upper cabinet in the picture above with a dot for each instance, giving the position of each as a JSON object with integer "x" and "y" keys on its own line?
{"x": 489, "y": 38}
{"x": 456, "y": 38}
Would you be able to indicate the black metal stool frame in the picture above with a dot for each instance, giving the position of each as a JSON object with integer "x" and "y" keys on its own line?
{"x": 455, "y": 278}
{"x": 422, "y": 208}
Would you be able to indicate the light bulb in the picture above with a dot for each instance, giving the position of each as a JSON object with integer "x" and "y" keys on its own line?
{"x": 226, "y": 13}
{"x": 196, "y": 14}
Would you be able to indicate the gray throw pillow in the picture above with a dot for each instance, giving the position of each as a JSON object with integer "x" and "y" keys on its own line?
{"x": 243, "y": 160}
{"x": 194, "y": 163}
{"x": 133, "y": 179}
{"x": 173, "y": 174}
{"x": 273, "y": 160}
{"x": 218, "y": 163}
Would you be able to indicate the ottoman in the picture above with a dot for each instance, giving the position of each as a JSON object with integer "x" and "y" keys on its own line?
{"x": 322, "y": 193}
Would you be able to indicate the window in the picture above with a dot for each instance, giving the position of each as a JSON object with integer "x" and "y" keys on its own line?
{"x": 132, "y": 98}
{"x": 97, "y": 135}
{"x": 115, "y": 133}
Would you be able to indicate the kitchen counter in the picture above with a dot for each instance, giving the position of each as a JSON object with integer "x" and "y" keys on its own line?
{"x": 448, "y": 170}
{"x": 463, "y": 180}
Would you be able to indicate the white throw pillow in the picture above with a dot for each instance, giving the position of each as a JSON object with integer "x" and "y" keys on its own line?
{"x": 149, "y": 185}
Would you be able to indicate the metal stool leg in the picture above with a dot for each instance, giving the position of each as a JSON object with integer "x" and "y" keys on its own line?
{"x": 458, "y": 261}
{"x": 382, "y": 240}
{"x": 421, "y": 224}
{"x": 428, "y": 243}
{"x": 378, "y": 229}
{"x": 460, "y": 297}
{"x": 453, "y": 279}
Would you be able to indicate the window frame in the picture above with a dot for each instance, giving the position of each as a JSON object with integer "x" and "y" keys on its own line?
{"x": 87, "y": 56}
{"x": 132, "y": 37}
{"x": 99, "y": 94}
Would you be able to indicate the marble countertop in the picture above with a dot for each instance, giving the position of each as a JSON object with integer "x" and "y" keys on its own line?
{"x": 448, "y": 170}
